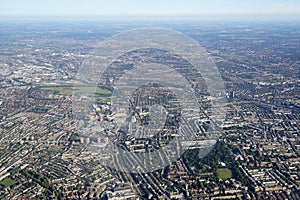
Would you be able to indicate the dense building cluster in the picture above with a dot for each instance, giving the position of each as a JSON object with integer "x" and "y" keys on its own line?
{"x": 45, "y": 151}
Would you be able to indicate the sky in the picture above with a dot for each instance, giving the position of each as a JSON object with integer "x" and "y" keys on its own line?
{"x": 285, "y": 9}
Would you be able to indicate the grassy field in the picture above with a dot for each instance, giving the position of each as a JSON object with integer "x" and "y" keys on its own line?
{"x": 105, "y": 99}
{"x": 69, "y": 90}
{"x": 7, "y": 182}
{"x": 224, "y": 173}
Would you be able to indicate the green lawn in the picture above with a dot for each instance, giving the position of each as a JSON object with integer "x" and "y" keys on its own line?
{"x": 105, "y": 99}
{"x": 224, "y": 173}
{"x": 69, "y": 90}
{"x": 7, "y": 182}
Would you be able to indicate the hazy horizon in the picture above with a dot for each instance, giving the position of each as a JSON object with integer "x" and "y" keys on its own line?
{"x": 134, "y": 9}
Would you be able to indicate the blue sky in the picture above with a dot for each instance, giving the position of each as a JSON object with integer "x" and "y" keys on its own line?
{"x": 156, "y": 8}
